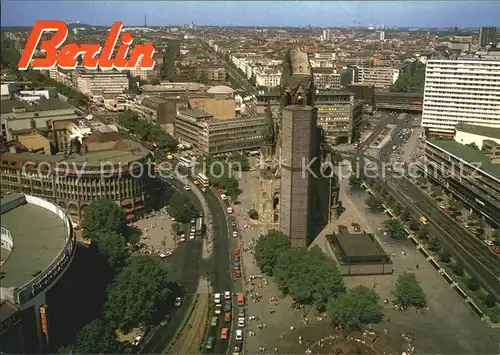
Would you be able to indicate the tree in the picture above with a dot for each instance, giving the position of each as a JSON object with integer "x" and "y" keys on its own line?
{"x": 102, "y": 216}
{"x": 96, "y": 337}
{"x": 177, "y": 228}
{"x": 412, "y": 80}
{"x": 373, "y": 201}
{"x": 445, "y": 256}
{"x": 180, "y": 207}
{"x": 458, "y": 269}
{"x": 253, "y": 214}
{"x": 355, "y": 181}
{"x": 408, "y": 292}
{"x": 397, "y": 209}
{"x": 317, "y": 281}
{"x": 472, "y": 145}
{"x": 136, "y": 292}
{"x": 113, "y": 246}
{"x": 496, "y": 237}
{"x": 405, "y": 214}
{"x": 473, "y": 284}
{"x": 434, "y": 245}
{"x": 414, "y": 224}
{"x": 395, "y": 228}
{"x": 268, "y": 248}
{"x": 490, "y": 301}
{"x": 360, "y": 305}
{"x": 308, "y": 276}
{"x": 239, "y": 162}
{"x": 203, "y": 78}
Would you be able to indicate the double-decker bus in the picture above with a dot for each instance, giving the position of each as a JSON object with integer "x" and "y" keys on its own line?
{"x": 186, "y": 162}
{"x": 199, "y": 227}
{"x": 203, "y": 180}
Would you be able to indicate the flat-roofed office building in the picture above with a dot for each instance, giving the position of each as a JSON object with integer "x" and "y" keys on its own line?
{"x": 212, "y": 136}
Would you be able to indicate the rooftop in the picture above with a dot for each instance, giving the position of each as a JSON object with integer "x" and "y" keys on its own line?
{"x": 194, "y": 112}
{"x": 44, "y": 105}
{"x": 220, "y": 89}
{"x": 468, "y": 155}
{"x": 491, "y": 132}
{"x": 117, "y": 151}
{"x": 357, "y": 247}
{"x": 36, "y": 244}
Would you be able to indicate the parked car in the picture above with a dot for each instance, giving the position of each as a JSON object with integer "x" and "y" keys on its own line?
{"x": 210, "y": 343}
{"x": 187, "y": 188}
{"x": 218, "y": 308}
{"x": 217, "y": 298}
{"x": 224, "y": 333}
{"x": 227, "y": 295}
{"x": 241, "y": 322}
{"x": 178, "y": 302}
{"x": 228, "y": 306}
{"x": 241, "y": 311}
{"x": 239, "y": 335}
{"x": 214, "y": 322}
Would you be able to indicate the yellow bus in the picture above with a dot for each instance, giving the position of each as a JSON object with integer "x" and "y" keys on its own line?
{"x": 424, "y": 221}
{"x": 203, "y": 180}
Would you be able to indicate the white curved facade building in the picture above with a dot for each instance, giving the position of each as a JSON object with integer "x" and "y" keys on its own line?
{"x": 38, "y": 244}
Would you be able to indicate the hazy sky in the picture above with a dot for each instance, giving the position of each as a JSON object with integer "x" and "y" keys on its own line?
{"x": 260, "y": 13}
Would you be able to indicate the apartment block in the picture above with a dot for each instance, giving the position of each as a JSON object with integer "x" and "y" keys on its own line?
{"x": 268, "y": 78}
{"x": 461, "y": 90}
{"x": 326, "y": 78}
{"x": 339, "y": 114}
{"x": 487, "y": 35}
{"x": 105, "y": 83}
{"x": 381, "y": 77}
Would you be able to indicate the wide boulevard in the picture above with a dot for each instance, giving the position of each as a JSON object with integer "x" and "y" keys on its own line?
{"x": 189, "y": 267}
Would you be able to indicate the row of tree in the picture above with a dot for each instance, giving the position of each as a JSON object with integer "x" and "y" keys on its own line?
{"x": 311, "y": 278}
{"x": 395, "y": 228}
{"x": 147, "y": 131}
{"x": 141, "y": 285}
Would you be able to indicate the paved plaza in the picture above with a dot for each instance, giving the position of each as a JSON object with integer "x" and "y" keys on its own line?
{"x": 156, "y": 232}
{"x": 449, "y": 325}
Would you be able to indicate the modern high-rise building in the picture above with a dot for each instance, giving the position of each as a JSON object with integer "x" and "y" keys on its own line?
{"x": 461, "y": 90}
{"x": 487, "y": 35}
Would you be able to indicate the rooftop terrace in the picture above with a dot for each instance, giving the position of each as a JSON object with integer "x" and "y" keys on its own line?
{"x": 38, "y": 237}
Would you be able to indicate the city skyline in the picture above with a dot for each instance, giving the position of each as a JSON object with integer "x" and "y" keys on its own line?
{"x": 258, "y": 13}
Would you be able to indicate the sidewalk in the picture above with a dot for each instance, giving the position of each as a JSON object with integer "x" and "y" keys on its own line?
{"x": 277, "y": 323}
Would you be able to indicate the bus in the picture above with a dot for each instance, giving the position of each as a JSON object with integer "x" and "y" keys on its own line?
{"x": 424, "y": 221}
{"x": 202, "y": 178}
{"x": 185, "y": 162}
{"x": 199, "y": 227}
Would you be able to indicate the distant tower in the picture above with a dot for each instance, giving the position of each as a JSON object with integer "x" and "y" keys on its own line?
{"x": 145, "y": 20}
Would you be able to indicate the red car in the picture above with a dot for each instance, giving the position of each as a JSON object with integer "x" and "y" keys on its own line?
{"x": 237, "y": 273}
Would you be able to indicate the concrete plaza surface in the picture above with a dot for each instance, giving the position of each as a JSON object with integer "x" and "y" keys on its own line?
{"x": 448, "y": 326}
